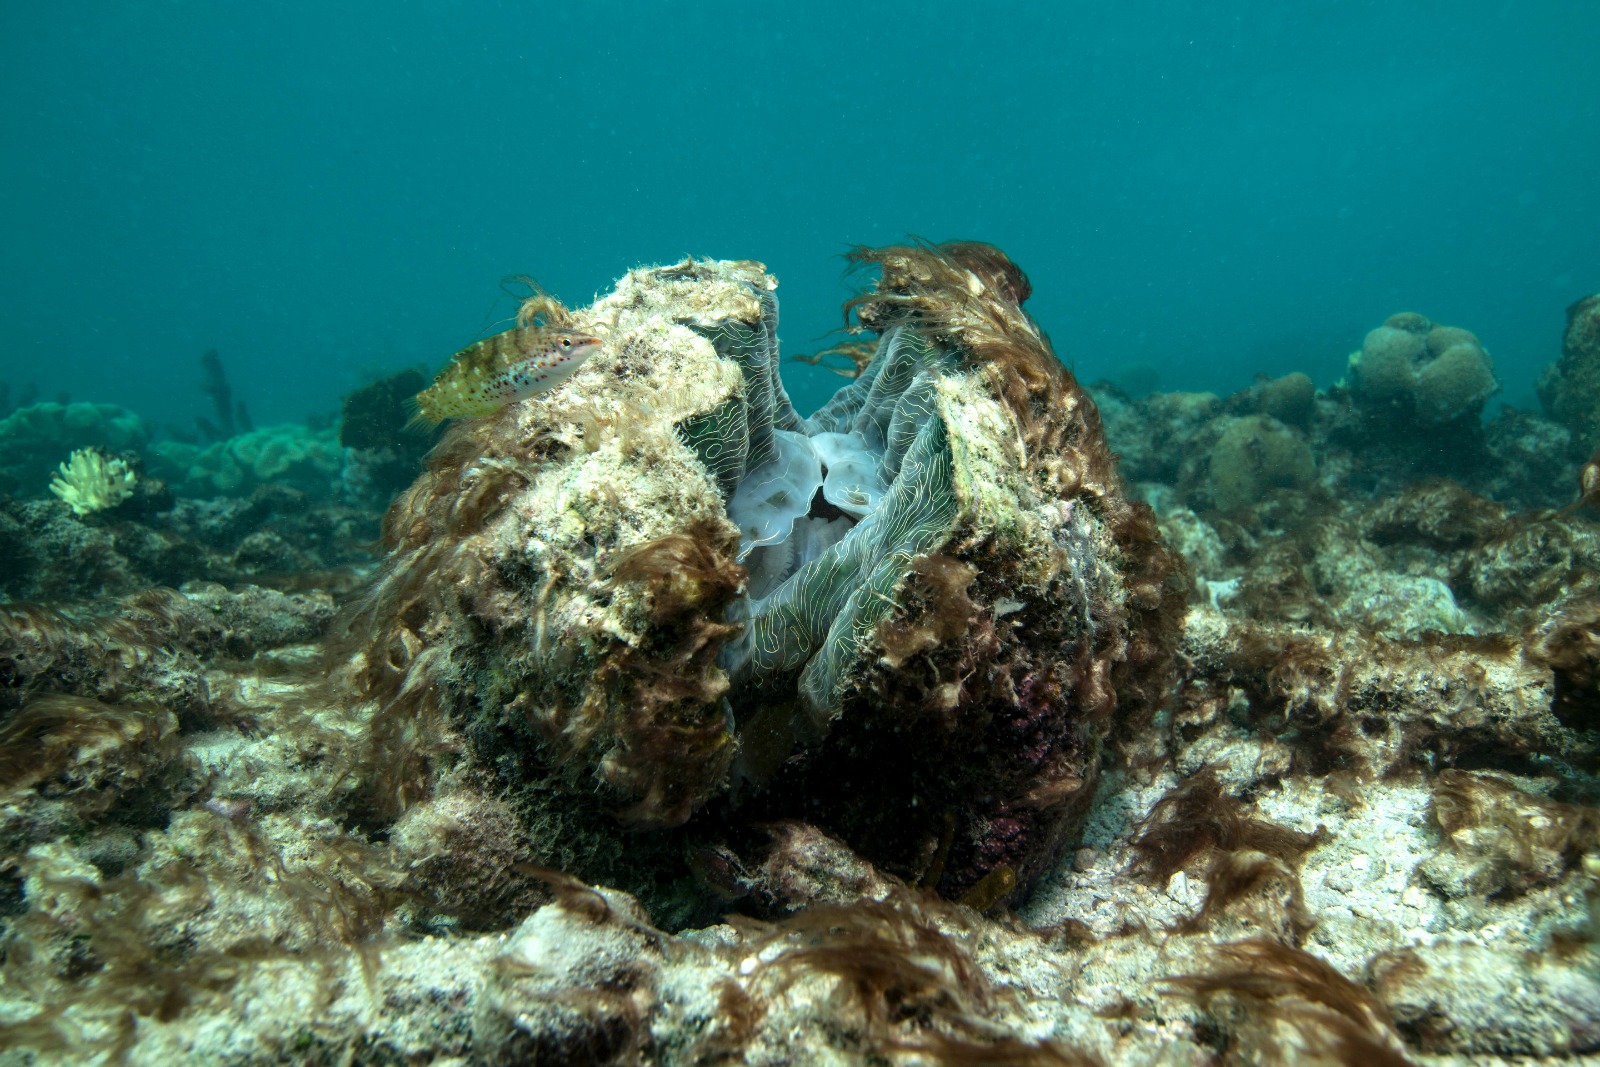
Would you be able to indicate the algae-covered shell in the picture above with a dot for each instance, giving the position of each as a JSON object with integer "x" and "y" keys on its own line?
{"x": 928, "y": 660}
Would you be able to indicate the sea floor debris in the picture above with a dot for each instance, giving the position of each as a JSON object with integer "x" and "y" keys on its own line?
{"x": 262, "y": 801}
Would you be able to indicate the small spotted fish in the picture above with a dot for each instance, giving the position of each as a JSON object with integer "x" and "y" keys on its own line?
{"x": 514, "y": 365}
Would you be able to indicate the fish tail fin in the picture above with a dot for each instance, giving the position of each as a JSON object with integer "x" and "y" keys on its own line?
{"x": 424, "y": 420}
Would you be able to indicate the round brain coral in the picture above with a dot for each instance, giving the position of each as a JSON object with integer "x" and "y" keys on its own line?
{"x": 1458, "y": 380}
{"x": 1412, "y": 369}
{"x": 1255, "y": 455}
{"x": 1386, "y": 366}
{"x": 922, "y": 650}
{"x": 1291, "y": 399}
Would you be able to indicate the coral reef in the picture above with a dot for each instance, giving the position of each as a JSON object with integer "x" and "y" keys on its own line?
{"x": 382, "y": 451}
{"x": 1254, "y": 455}
{"x": 677, "y": 728}
{"x": 147, "y": 647}
{"x": 287, "y": 454}
{"x": 374, "y": 416}
{"x": 33, "y": 439}
{"x": 275, "y": 535}
{"x": 1569, "y": 388}
{"x": 1291, "y": 399}
{"x": 1416, "y": 398}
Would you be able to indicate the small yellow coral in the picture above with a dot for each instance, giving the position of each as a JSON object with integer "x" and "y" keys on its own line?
{"x": 90, "y": 482}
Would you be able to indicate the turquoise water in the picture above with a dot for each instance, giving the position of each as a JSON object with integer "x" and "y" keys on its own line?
{"x": 298, "y": 741}
{"x": 323, "y": 191}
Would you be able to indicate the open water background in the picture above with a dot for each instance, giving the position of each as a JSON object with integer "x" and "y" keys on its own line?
{"x": 325, "y": 191}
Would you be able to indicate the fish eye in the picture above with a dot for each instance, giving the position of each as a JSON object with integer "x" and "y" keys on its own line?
{"x": 566, "y": 342}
